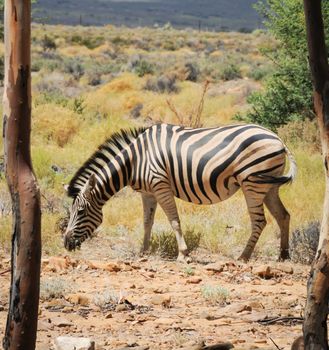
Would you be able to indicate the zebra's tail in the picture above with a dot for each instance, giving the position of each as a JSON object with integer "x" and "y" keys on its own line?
{"x": 284, "y": 179}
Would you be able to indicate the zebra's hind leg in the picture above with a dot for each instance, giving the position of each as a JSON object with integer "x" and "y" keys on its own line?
{"x": 149, "y": 208}
{"x": 167, "y": 202}
{"x": 254, "y": 198}
{"x": 282, "y": 217}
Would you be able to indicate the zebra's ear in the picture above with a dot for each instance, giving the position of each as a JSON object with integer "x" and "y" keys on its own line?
{"x": 89, "y": 186}
{"x": 66, "y": 188}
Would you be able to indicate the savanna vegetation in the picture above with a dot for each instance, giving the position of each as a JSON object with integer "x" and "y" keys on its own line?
{"x": 89, "y": 82}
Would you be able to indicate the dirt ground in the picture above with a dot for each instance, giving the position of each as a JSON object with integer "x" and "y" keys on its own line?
{"x": 151, "y": 303}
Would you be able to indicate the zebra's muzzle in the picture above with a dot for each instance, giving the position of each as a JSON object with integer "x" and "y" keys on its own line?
{"x": 71, "y": 243}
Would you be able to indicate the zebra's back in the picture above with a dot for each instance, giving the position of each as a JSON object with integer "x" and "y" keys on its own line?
{"x": 208, "y": 165}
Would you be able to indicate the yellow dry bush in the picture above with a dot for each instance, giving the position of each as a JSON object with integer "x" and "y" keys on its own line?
{"x": 74, "y": 51}
{"x": 55, "y": 123}
{"x": 125, "y": 82}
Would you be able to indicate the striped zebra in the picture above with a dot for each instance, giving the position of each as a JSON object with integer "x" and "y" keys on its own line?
{"x": 201, "y": 166}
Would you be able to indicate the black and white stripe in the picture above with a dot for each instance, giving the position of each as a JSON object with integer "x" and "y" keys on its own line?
{"x": 202, "y": 166}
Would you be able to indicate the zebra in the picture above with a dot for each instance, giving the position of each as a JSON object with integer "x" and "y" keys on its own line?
{"x": 197, "y": 165}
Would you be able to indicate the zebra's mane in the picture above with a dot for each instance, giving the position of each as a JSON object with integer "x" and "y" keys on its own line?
{"x": 110, "y": 148}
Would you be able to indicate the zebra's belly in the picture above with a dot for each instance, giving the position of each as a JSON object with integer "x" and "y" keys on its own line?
{"x": 204, "y": 194}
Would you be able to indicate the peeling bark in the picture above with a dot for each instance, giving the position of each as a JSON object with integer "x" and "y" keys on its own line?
{"x": 26, "y": 239}
{"x": 315, "y": 325}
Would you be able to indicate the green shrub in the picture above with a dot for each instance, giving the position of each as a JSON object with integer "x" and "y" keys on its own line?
{"x": 48, "y": 43}
{"x": 143, "y": 67}
{"x": 164, "y": 243}
{"x": 230, "y": 72}
{"x": 259, "y": 73}
{"x": 162, "y": 84}
{"x": 79, "y": 105}
{"x": 42, "y": 162}
{"x": 74, "y": 67}
{"x": 89, "y": 41}
{"x": 288, "y": 91}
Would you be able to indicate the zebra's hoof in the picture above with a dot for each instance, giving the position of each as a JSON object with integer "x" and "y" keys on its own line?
{"x": 184, "y": 258}
{"x": 284, "y": 256}
{"x": 244, "y": 258}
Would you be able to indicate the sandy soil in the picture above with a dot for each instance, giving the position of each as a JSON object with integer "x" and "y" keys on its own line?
{"x": 157, "y": 304}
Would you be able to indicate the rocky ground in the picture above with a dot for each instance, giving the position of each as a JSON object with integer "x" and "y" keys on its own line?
{"x": 151, "y": 303}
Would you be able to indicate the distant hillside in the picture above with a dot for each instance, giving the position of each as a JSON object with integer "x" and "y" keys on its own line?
{"x": 209, "y": 14}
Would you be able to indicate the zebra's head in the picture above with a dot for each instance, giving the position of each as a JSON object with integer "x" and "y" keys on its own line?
{"x": 85, "y": 216}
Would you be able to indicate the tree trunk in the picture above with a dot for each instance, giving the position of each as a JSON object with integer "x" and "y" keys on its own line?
{"x": 315, "y": 324}
{"x": 26, "y": 241}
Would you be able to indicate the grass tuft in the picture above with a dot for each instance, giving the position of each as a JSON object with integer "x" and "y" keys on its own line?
{"x": 215, "y": 295}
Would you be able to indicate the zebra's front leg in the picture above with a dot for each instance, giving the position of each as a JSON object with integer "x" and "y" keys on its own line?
{"x": 149, "y": 208}
{"x": 167, "y": 202}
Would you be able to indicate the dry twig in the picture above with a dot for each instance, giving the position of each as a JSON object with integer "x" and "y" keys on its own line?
{"x": 194, "y": 119}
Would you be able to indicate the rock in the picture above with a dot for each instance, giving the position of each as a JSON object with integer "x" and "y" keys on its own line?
{"x": 194, "y": 280}
{"x": 61, "y": 322}
{"x": 215, "y": 267}
{"x": 44, "y": 326}
{"x": 161, "y": 299}
{"x": 160, "y": 290}
{"x": 56, "y": 304}
{"x": 135, "y": 348}
{"x": 263, "y": 271}
{"x": 111, "y": 266}
{"x": 256, "y": 305}
{"x": 78, "y": 299}
{"x": 121, "y": 307}
{"x": 236, "y": 308}
{"x": 55, "y": 263}
{"x": 288, "y": 283}
{"x": 285, "y": 268}
{"x": 164, "y": 321}
{"x": 74, "y": 343}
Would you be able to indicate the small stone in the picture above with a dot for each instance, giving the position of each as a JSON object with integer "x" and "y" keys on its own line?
{"x": 109, "y": 315}
{"x": 111, "y": 267}
{"x": 78, "y": 299}
{"x": 62, "y": 322}
{"x": 256, "y": 305}
{"x": 74, "y": 343}
{"x": 286, "y": 269}
{"x": 56, "y": 263}
{"x": 288, "y": 283}
{"x": 164, "y": 321}
{"x": 215, "y": 267}
{"x": 263, "y": 271}
{"x": 164, "y": 300}
{"x": 121, "y": 307}
{"x": 194, "y": 280}
{"x": 160, "y": 290}
{"x": 135, "y": 348}
{"x": 44, "y": 326}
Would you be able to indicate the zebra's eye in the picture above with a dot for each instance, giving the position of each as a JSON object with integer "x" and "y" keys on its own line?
{"x": 81, "y": 211}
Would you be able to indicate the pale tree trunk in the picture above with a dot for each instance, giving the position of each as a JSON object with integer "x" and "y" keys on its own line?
{"x": 26, "y": 242}
{"x": 315, "y": 324}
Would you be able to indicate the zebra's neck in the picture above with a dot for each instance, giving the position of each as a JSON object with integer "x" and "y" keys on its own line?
{"x": 112, "y": 165}
{"x": 113, "y": 176}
